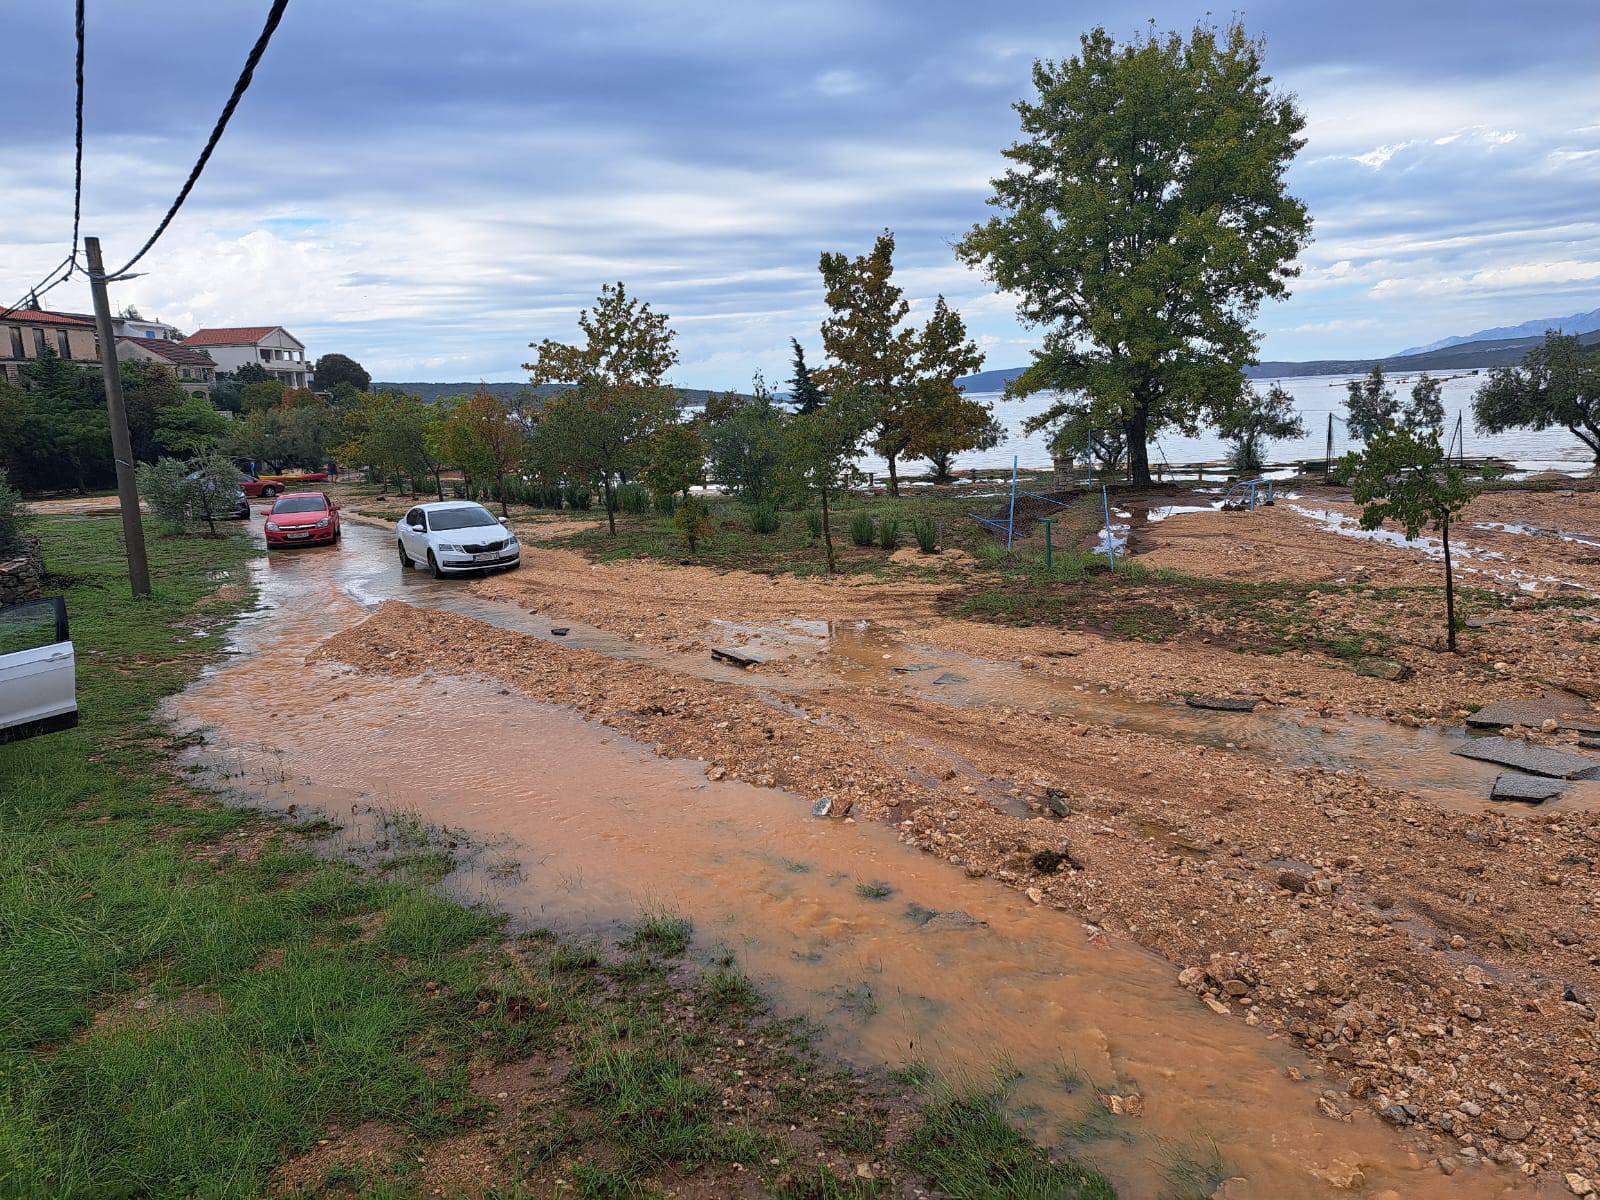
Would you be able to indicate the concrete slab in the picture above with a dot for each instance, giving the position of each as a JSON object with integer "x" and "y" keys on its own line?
{"x": 1536, "y": 760}
{"x": 1525, "y": 788}
{"x": 1533, "y": 713}
{"x": 739, "y": 658}
{"x": 1223, "y": 703}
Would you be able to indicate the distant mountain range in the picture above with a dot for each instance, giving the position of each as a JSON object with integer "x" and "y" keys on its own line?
{"x": 1474, "y": 355}
{"x": 1585, "y": 322}
{"x": 430, "y": 392}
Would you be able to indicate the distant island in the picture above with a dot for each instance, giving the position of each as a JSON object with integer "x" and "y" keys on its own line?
{"x": 1463, "y": 356}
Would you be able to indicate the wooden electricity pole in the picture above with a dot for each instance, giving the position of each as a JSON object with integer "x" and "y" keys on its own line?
{"x": 121, "y": 443}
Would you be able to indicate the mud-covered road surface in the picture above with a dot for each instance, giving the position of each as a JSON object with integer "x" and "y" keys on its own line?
{"x": 1375, "y": 962}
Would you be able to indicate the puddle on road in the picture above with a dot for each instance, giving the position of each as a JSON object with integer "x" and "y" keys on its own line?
{"x": 602, "y": 827}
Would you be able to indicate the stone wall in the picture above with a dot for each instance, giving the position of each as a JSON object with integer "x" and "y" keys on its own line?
{"x": 22, "y": 578}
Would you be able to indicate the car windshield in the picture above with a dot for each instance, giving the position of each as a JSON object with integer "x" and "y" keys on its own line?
{"x": 460, "y": 518}
{"x": 294, "y": 504}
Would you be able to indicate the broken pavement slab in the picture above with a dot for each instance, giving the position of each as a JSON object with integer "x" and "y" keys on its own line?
{"x": 739, "y": 658}
{"x": 1524, "y": 756}
{"x": 1525, "y": 788}
{"x": 950, "y": 677}
{"x": 1224, "y": 703}
{"x": 1567, "y": 714}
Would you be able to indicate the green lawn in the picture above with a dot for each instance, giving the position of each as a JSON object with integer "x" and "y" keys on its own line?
{"x": 189, "y": 996}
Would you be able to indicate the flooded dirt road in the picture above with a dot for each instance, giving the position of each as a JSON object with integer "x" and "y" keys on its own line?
{"x": 902, "y": 957}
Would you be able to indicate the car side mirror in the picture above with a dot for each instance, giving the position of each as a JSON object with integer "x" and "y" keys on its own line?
{"x": 418, "y": 529}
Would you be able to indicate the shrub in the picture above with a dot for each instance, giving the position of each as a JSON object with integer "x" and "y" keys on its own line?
{"x": 813, "y": 523}
{"x": 666, "y": 503}
{"x": 184, "y": 494}
{"x": 578, "y": 498}
{"x": 764, "y": 519}
{"x": 888, "y": 533}
{"x": 693, "y": 521}
{"x": 14, "y": 517}
{"x": 634, "y": 499}
{"x": 458, "y": 490}
{"x": 927, "y": 533}
{"x": 861, "y": 530}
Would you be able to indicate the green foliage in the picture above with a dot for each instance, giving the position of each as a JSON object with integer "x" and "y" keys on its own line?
{"x": 676, "y": 462}
{"x": 1402, "y": 476}
{"x": 1557, "y": 385}
{"x": 192, "y": 426}
{"x": 663, "y": 932}
{"x": 397, "y": 435}
{"x": 666, "y": 503}
{"x": 57, "y": 432}
{"x": 1077, "y": 438}
{"x": 764, "y": 519}
{"x": 634, "y": 499}
{"x": 1373, "y": 407}
{"x": 300, "y": 435}
{"x": 1252, "y": 419}
{"x": 804, "y": 393}
{"x": 483, "y": 438}
{"x": 888, "y": 533}
{"x": 334, "y": 371}
{"x": 820, "y": 450}
{"x": 15, "y": 517}
{"x": 744, "y": 444}
{"x": 927, "y": 534}
{"x": 862, "y": 531}
{"x": 813, "y": 523}
{"x": 183, "y": 495}
{"x": 1143, "y": 221}
{"x": 693, "y": 522}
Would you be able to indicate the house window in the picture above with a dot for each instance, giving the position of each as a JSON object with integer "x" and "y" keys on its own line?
{"x": 38, "y": 341}
{"x": 16, "y": 341}
{"x": 266, "y": 356}
{"x": 64, "y": 346}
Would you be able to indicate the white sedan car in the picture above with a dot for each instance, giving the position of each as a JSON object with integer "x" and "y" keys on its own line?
{"x": 456, "y": 535}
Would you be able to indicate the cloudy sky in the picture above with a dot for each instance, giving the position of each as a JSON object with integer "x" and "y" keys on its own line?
{"x": 429, "y": 185}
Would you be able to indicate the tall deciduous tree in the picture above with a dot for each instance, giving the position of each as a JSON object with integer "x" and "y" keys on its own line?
{"x": 820, "y": 451}
{"x": 1558, "y": 384}
{"x": 744, "y": 443}
{"x": 1402, "y": 476}
{"x": 602, "y": 428}
{"x": 332, "y": 370}
{"x": 936, "y": 419}
{"x": 1143, "y": 222}
{"x": 1373, "y": 406}
{"x": 486, "y": 439}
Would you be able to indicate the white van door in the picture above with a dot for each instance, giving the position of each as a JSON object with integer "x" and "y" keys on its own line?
{"x": 38, "y": 671}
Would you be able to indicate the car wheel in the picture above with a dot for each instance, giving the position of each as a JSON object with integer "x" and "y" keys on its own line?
{"x": 433, "y": 565}
{"x": 338, "y": 533}
{"x": 405, "y": 559}
{"x": 268, "y": 493}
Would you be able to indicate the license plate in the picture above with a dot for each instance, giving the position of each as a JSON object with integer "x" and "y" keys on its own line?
{"x": 484, "y": 557}
{"x": 298, "y": 535}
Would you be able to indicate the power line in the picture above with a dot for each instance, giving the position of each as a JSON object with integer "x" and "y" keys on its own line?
{"x": 71, "y": 261}
{"x": 239, "y": 89}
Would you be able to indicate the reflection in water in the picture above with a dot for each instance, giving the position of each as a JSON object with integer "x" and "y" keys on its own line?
{"x": 601, "y": 826}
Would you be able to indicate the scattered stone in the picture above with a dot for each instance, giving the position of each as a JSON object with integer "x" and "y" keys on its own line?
{"x": 1525, "y": 789}
{"x": 1382, "y": 668}
{"x": 1578, "y": 1185}
{"x": 1536, "y": 760}
{"x": 1293, "y": 881}
{"x": 953, "y": 920}
{"x": 913, "y": 668}
{"x": 950, "y": 677}
{"x": 1224, "y": 703}
{"x": 1056, "y": 801}
{"x": 559, "y": 631}
{"x": 822, "y": 807}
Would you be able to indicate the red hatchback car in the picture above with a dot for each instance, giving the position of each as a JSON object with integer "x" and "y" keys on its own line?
{"x": 303, "y": 519}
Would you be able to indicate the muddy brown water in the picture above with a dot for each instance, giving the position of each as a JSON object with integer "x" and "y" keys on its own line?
{"x": 600, "y": 827}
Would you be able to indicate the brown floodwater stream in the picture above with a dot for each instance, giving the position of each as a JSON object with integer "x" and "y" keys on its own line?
{"x": 600, "y": 828}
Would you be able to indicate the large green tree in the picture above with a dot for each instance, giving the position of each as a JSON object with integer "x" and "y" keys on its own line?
{"x": 332, "y": 370}
{"x": 744, "y": 443}
{"x": 602, "y": 429}
{"x": 59, "y": 436}
{"x": 936, "y": 420}
{"x": 1143, "y": 221}
{"x": 485, "y": 438}
{"x": 1557, "y": 385}
{"x": 1255, "y": 418}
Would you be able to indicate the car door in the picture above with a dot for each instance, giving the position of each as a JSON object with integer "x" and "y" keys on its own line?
{"x": 415, "y": 543}
{"x": 38, "y": 670}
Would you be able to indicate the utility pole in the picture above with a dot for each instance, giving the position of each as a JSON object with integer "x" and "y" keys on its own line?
{"x": 121, "y": 443}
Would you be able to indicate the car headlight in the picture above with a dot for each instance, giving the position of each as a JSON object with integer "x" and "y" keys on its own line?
{"x": 452, "y": 547}
{"x": 274, "y": 526}
{"x": 323, "y": 523}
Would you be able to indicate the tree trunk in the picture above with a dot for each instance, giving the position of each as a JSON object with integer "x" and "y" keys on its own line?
{"x": 611, "y": 509}
{"x": 504, "y": 511}
{"x": 1137, "y": 428}
{"x": 1449, "y": 590}
{"x": 438, "y": 482}
{"x": 894, "y": 478}
{"x": 827, "y": 530}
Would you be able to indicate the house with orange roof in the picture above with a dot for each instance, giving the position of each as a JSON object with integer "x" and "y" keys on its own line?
{"x": 269, "y": 346}
{"x": 28, "y": 333}
{"x": 192, "y": 368}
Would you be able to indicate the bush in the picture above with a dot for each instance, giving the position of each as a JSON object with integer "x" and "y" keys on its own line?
{"x": 182, "y": 494}
{"x": 927, "y": 533}
{"x": 578, "y": 498}
{"x": 458, "y": 490}
{"x": 666, "y": 503}
{"x": 634, "y": 499}
{"x": 814, "y": 523}
{"x": 861, "y": 530}
{"x": 889, "y": 533}
{"x": 763, "y": 519}
{"x": 14, "y": 517}
{"x": 693, "y": 522}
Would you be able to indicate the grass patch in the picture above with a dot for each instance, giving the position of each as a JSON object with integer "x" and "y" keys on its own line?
{"x": 662, "y": 932}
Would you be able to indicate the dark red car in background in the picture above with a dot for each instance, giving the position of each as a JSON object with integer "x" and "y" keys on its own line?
{"x": 252, "y": 486}
{"x": 303, "y": 519}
